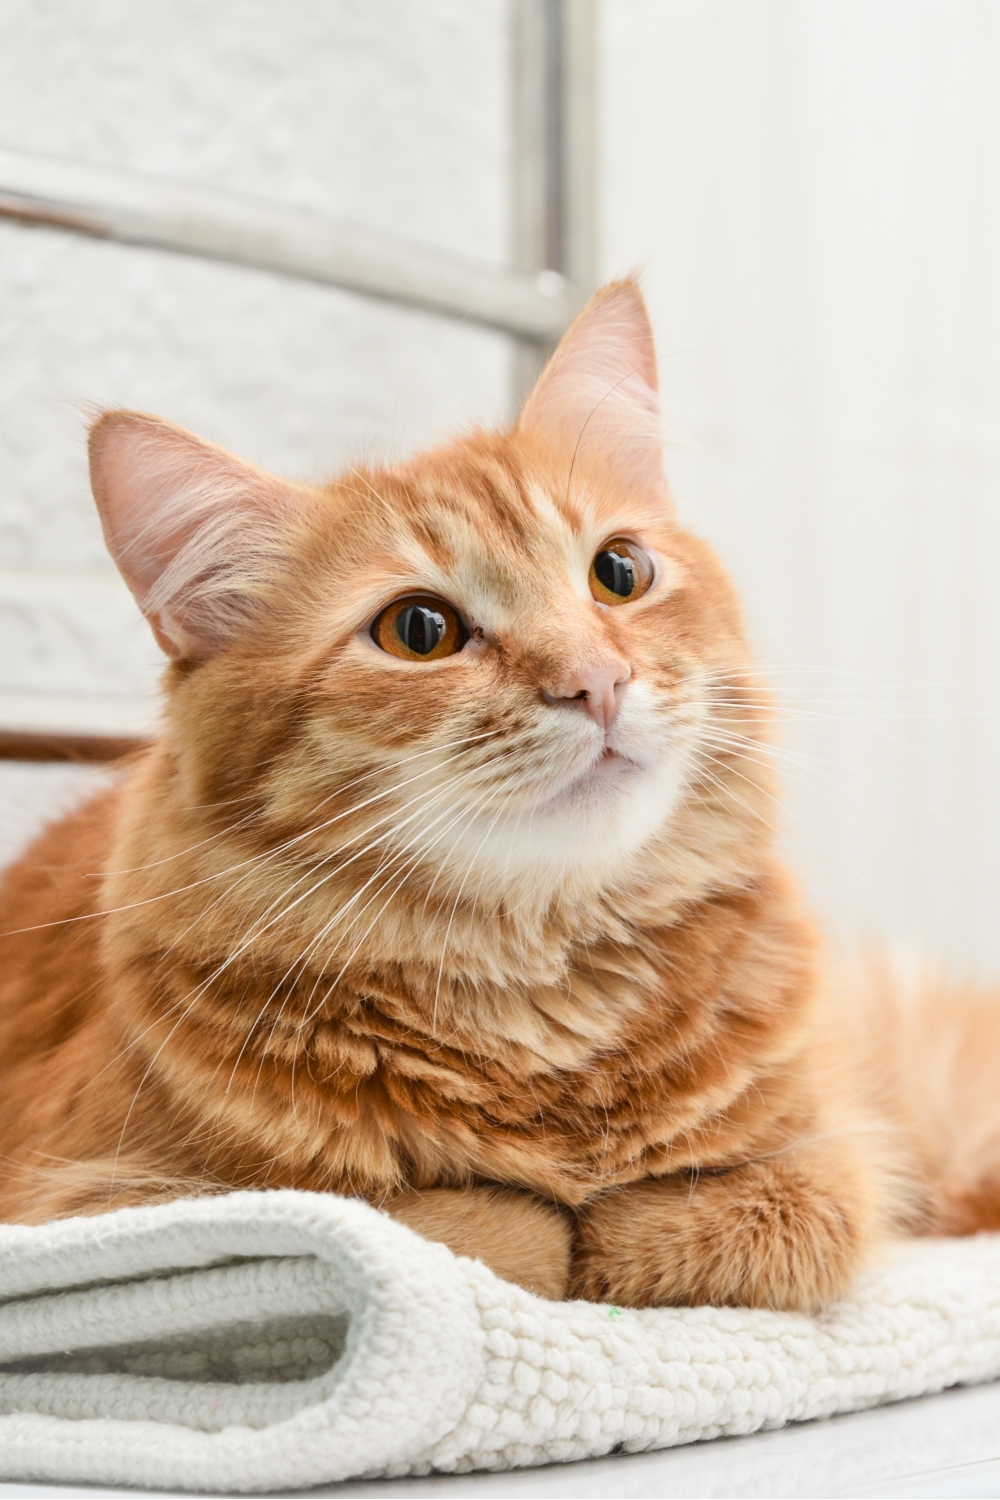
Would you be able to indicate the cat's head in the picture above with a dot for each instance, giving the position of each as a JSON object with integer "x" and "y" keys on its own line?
{"x": 501, "y": 664}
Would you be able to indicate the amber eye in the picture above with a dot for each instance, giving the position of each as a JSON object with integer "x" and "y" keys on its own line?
{"x": 620, "y": 572}
{"x": 421, "y": 629}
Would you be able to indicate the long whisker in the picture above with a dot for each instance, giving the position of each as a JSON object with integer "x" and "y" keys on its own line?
{"x": 466, "y": 812}
{"x": 188, "y": 1002}
{"x": 454, "y": 909}
{"x": 733, "y": 770}
{"x": 220, "y": 874}
{"x": 255, "y": 864}
{"x": 255, "y": 931}
{"x": 807, "y": 761}
{"x": 298, "y": 966}
{"x": 311, "y": 1011}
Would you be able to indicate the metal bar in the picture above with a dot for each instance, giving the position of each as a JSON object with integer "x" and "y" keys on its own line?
{"x": 138, "y": 209}
{"x": 554, "y": 117}
{"x": 580, "y": 106}
{"x": 85, "y": 749}
{"x": 554, "y": 138}
{"x": 90, "y": 714}
{"x": 530, "y": 169}
{"x": 73, "y": 726}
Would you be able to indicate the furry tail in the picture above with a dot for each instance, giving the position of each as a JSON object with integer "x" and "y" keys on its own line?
{"x": 932, "y": 1069}
{"x": 44, "y": 1188}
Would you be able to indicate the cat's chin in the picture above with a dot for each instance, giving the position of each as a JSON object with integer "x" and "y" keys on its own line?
{"x": 585, "y": 831}
{"x": 606, "y": 777}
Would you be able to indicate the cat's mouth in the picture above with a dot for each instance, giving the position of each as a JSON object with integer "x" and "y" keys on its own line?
{"x": 604, "y": 774}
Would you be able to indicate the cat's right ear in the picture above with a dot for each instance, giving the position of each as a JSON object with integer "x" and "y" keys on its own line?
{"x": 195, "y": 532}
{"x": 595, "y": 409}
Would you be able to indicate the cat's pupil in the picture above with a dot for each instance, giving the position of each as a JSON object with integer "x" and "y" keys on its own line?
{"x": 420, "y": 629}
{"x": 616, "y": 572}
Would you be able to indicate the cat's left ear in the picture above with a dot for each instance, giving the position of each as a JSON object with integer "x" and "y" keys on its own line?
{"x": 596, "y": 407}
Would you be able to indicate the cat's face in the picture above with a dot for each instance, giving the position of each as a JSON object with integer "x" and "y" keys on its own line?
{"x": 534, "y": 716}
{"x": 501, "y": 661}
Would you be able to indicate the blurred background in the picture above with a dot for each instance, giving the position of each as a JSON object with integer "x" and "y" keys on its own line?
{"x": 332, "y": 228}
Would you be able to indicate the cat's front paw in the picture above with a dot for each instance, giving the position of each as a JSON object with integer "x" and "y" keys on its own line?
{"x": 520, "y": 1237}
{"x": 784, "y": 1233}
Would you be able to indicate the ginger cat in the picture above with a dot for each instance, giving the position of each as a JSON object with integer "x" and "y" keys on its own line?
{"x": 451, "y": 883}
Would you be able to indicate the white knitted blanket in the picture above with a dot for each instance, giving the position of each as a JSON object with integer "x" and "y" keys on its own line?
{"x": 271, "y": 1341}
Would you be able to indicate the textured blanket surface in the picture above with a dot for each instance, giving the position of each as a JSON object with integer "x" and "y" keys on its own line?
{"x": 270, "y": 1341}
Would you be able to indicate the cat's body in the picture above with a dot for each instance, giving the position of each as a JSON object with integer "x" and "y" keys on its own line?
{"x": 491, "y": 933}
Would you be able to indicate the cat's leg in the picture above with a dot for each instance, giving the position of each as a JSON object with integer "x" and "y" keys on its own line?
{"x": 786, "y": 1232}
{"x": 964, "y": 1210}
{"x": 520, "y": 1237}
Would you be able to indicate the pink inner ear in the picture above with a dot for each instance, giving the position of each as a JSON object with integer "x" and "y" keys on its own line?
{"x": 595, "y": 406}
{"x": 193, "y": 530}
{"x": 141, "y": 472}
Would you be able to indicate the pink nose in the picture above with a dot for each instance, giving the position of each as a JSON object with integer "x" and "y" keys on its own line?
{"x": 594, "y": 688}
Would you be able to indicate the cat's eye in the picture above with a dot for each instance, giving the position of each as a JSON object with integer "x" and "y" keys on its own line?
{"x": 419, "y": 629}
{"x": 620, "y": 572}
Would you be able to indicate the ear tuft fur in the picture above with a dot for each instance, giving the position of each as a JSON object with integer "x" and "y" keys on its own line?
{"x": 195, "y": 532}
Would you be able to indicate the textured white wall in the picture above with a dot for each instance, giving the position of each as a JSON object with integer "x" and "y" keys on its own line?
{"x": 813, "y": 187}
{"x": 380, "y": 111}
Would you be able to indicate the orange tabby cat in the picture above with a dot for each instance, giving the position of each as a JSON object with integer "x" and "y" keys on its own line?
{"x": 450, "y": 882}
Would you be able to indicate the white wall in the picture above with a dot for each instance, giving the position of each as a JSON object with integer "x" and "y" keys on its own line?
{"x": 381, "y": 111}
{"x": 813, "y": 187}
